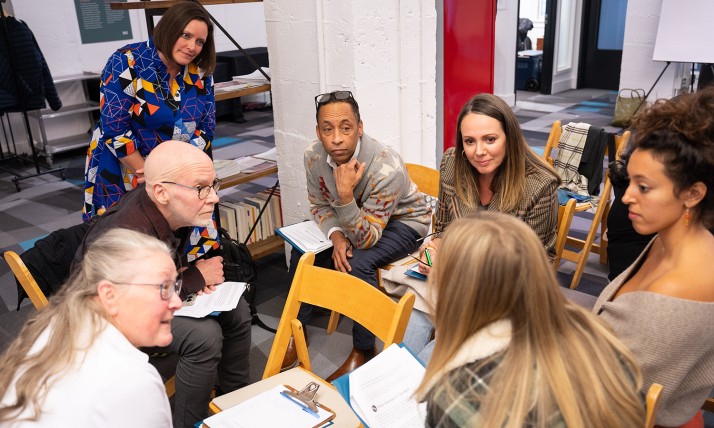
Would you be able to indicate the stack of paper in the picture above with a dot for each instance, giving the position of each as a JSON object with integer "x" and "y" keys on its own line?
{"x": 305, "y": 236}
{"x": 224, "y": 298}
{"x": 381, "y": 392}
{"x": 255, "y": 78}
{"x": 229, "y": 86}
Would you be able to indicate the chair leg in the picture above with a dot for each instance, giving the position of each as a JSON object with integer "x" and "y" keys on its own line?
{"x": 300, "y": 345}
{"x": 332, "y": 324}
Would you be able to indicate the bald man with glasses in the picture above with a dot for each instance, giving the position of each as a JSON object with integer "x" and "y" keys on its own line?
{"x": 179, "y": 193}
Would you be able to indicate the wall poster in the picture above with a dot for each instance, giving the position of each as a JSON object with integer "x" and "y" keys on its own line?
{"x": 99, "y": 23}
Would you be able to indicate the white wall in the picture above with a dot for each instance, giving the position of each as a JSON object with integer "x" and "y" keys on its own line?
{"x": 57, "y": 33}
{"x": 504, "y": 70}
{"x": 382, "y": 50}
{"x": 638, "y": 70}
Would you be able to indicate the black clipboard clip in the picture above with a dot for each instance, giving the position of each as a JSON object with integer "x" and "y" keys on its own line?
{"x": 305, "y": 397}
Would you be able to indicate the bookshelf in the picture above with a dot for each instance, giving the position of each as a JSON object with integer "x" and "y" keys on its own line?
{"x": 266, "y": 246}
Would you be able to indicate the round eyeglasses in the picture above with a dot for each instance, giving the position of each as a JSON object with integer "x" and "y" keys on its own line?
{"x": 166, "y": 288}
{"x": 203, "y": 191}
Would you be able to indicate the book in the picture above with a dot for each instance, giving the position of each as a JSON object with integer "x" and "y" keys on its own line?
{"x": 272, "y": 408}
{"x": 255, "y": 78}
{"x": 413, "y": 271}
{"x": 381, "y": 392}
{"x": 224, "y": 298}
{"x": 305, "y": 236}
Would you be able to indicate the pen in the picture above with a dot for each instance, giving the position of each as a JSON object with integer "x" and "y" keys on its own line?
{"x": 428, "y": 255}
{"x": 302, "y": 406}
{"x": 314, "y": 236}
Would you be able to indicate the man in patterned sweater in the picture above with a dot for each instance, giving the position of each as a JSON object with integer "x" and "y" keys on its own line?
{"x": 364, "y": 201}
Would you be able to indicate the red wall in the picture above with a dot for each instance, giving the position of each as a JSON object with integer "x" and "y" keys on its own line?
{"x": 469, "y": 35}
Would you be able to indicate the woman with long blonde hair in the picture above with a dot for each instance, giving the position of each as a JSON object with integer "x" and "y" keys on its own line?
{"x": 76, "y": 362}
{"x": 511, "y": 350}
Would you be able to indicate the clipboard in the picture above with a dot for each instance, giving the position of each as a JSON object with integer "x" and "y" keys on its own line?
{"x": 301, "y": 393}
{"x": 272, "y": 408}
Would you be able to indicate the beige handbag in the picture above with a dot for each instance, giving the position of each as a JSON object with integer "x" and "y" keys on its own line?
{"x": 626, "y": 107}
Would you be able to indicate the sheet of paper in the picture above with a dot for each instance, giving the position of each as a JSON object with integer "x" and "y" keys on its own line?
{"x": 270, "y": 155}
{"x": 230, "y": 167}
{"x": 269, "y": 409}
{"x": 382, "y": 390}
{"x": 224, "y": 298}
{"x": 306, "y": 236}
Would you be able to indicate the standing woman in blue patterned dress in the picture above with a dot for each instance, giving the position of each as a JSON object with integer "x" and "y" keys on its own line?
{"x": 152, "y": 91}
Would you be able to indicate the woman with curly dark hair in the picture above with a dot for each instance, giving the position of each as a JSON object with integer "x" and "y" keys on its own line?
{"x": 662, "y": 306}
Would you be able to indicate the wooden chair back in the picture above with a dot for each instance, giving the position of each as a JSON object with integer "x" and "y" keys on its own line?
{"x": 344, "y": 294}
{"x": 28, "y": 283}
{"x": 426, "y": 179}
{"x": 652, "y": 403}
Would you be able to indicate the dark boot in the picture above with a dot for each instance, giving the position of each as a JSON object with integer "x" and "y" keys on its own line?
{"x": 290, "y": 359}
{"x": 355, "y": 359}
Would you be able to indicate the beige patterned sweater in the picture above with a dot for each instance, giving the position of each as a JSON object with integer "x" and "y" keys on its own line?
{"x": 672, "y": 339}
{"x": 385, "y": 193}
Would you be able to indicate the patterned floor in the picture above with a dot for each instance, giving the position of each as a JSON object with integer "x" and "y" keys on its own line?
{"x": 47, "y": 203}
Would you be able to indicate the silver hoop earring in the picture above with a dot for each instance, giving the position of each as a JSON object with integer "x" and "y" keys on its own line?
{"x": 463, "y": 154}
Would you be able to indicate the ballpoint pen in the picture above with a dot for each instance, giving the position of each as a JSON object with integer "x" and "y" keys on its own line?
{"x": 427, "y": 253}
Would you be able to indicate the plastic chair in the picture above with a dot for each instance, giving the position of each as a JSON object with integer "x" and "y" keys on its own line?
{"x": 427, "y": 181}
{"x": 583, "y": 247}
{"x": 39, "y": 300}
{"x": 341, "y": 293}
{"x": 652, "y": 403}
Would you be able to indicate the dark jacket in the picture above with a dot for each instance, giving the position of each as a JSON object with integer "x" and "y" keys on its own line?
{"x": 136, "y": 211}
{"x": 29, "y": 64}
{"x": 50, "y": 258}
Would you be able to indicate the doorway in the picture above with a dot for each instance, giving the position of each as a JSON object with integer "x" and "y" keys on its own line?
{"x": 601, "y": 44}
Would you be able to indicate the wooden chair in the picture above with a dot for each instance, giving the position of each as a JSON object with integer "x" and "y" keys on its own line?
{"x": 565, "y": 218}
{"x": 583, "y": 247}
{"x": 28, "y": 283}
{"x": 652, "y": 402}
{"x": 427, "y": 181}
{"x": 341, "y": 293}
{"x": 39, "y": 300}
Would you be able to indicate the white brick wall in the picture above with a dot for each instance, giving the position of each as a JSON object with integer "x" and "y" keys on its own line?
{"x": 638, "y": 70}
{"x": 383, "y": 51}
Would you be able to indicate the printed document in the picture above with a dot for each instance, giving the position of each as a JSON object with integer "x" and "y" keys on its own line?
{"x": 224, "y": 298}
{"x": 268, "y": 409}
{"x": 305, "y": 236}
{"x": 382, "y": 390}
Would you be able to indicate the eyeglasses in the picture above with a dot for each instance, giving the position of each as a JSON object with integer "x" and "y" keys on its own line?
{"x": 336, "y": 95}
{"x": 203, "y": 191}
{"x": 166, "y": 288}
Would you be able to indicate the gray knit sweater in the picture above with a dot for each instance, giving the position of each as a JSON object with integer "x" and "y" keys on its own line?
{"x": 385, "y": 193}
{"x": 672, "y": 339}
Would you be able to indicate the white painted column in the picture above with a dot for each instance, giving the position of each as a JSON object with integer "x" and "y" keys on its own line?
{"x": 384, "y": 51}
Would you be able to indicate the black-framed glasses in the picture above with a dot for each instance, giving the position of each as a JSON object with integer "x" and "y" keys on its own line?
{"x": 166, "y": 288}
{"x": 203, "y": 191}
{"x": 336, "y": 95}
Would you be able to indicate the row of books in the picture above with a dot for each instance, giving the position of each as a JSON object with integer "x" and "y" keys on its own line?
{"x": 238, "y": 217}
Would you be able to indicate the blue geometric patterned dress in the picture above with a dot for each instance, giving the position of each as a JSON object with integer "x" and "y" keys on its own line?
{"x": 140, "y": 108}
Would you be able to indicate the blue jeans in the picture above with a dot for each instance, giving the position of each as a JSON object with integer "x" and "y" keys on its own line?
{"x": 397, "y": 241}
{"x": 418, "y": 333}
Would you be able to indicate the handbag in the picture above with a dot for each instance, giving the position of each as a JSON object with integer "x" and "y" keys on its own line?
{"x": 626, "y": 107}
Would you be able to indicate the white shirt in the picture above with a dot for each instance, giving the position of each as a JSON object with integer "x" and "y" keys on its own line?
{"x": 112, "y": 386}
